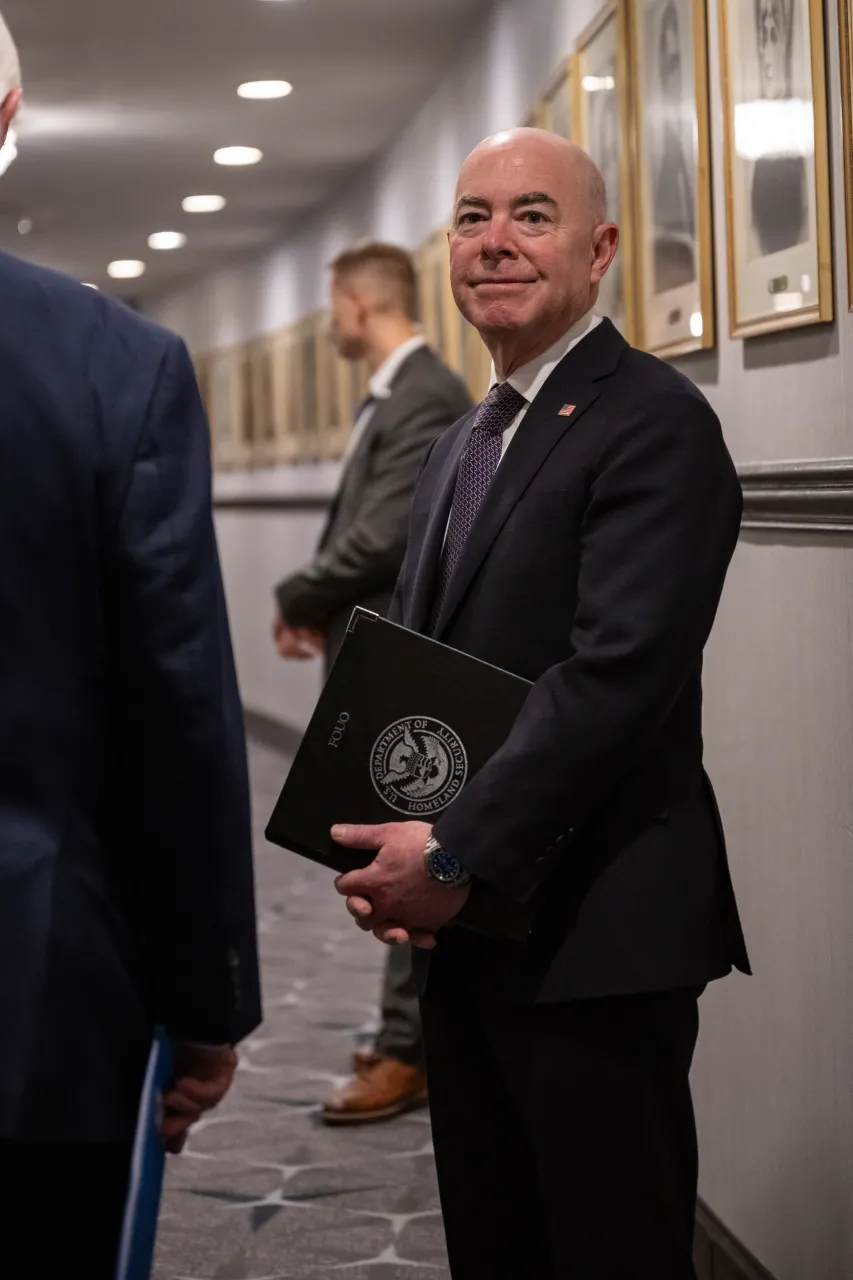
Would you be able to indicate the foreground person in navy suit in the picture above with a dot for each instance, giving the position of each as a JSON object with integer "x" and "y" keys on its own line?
{"x": 126, "y": 885}
{"x": 575, "y": 529}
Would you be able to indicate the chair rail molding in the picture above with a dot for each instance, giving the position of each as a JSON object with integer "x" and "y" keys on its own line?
{"x": 814, "y": 496}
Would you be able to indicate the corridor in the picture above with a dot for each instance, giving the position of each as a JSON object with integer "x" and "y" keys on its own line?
{"x": 264, "y": 1190}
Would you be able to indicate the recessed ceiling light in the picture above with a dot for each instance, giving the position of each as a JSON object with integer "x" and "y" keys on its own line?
{"x": 263, "y": 89}
{"x": 167, "y": 240}
{"x": 238, "y": 155}
{"x": 203, "y": 204}
{"x": 126, "y": 269}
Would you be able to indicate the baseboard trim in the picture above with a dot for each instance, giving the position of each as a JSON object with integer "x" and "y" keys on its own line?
{"x": 272, "y": 732}
{"x": 719, "y": 1255}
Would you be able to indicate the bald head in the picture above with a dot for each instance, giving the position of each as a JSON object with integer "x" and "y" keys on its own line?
{"x": 572, "y": 168}
{"x": 530, "y": 242}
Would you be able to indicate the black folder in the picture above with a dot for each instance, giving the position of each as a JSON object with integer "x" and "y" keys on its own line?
{"x": 401, "y": 726}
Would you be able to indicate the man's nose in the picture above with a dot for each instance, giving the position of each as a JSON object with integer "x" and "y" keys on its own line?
{"x": 498, "y": 240}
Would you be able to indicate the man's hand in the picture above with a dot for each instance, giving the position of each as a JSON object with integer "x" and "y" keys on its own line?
{"x": 297, "y": 642}
{"x": 395, "y": 897}
{"x": 203, "y": 1076}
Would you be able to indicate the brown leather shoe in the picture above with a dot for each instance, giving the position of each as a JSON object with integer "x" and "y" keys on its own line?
{"x": 364, "y": 1058}
{"x": 378, "y": 1090}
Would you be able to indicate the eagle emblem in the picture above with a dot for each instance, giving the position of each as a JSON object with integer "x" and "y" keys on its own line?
{"x": 418, "y": 765}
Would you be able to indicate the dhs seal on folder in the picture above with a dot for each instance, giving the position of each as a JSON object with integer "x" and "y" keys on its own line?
{"x": 402, "y": 724}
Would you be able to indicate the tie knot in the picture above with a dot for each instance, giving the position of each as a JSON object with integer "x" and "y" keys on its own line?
{"x": 497, "y": 411}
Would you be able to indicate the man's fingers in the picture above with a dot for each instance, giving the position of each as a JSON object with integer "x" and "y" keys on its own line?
{"x": 360, "y": 908}
{"x": 204, "y": 1094}
{"x": 356, "y": 837}
{"x": 175, "y": 1145}
{"x": 424, "y": 941}
{"x": 391, "y": 934}
{"x": 176, "y": 1102}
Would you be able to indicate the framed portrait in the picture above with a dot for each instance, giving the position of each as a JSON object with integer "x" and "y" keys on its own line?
{"x": 287, "y": 394}
{"x": 476, "y": 362}
{"x": 263, "y": 442}
{"x": 535, "y": 118}
{"x": 777, "y": 167}
{"x": 311, "y": 436}
{"x": 604, "y": 130}
{"x": 224, "y": 407}
{"x": 674, "y": 233}
{"x": 245, "y": 422}
{"x": 845, "y": 17}
{"x": 558, "y": 108}
{"x": 440, "y": 319}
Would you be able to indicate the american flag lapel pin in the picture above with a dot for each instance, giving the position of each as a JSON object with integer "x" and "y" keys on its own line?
{"x": 566, "y": 411}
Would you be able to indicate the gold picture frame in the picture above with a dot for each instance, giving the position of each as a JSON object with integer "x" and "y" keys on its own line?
{"x": 845, "y": 27}
{"x": 264, "y": 437}
{"x": 605, "y": 130}
{"x": 778, "y": 221}
{"x": 440, "y": 319}
{"x": 558, "y": 108}
{"x": 476, "y": 363}
{"x": 224, "y": 407}
{"x": 674, "y": 231}
{"x": 535, "y": 117}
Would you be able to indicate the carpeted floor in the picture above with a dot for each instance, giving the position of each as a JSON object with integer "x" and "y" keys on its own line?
{"x": 265, "y": 1191}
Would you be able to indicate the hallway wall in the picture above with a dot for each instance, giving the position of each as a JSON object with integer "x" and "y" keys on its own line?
{"x": 774, "y": 1072}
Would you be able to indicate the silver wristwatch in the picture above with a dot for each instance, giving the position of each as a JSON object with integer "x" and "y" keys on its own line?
{"x": 444, "y": 867}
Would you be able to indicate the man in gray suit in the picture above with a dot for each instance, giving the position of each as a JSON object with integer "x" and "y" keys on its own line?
{"x": 413, "y": 399}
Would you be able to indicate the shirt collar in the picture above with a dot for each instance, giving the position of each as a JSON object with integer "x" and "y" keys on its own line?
{"x": 380, "y": 383}
{"x": 531, "y": 378}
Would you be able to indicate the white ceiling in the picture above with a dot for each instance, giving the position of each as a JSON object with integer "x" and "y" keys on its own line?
{"x": 126, "y": 101}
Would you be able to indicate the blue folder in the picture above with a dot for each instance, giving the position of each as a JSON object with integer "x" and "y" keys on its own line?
{"x": 139, "y": 1229}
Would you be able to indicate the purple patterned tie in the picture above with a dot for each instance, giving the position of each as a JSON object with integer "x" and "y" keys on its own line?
{"x": 476, "y": 471}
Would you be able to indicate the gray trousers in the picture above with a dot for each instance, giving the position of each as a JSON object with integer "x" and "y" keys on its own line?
{"x": 400, "y": 1032}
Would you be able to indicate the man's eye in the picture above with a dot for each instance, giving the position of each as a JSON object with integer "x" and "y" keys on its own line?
{"x": 469, "y": 218}
{"x": 534, "y": 216}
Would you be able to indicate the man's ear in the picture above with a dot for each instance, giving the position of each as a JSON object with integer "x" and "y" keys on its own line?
{"x": 9, "y": 110}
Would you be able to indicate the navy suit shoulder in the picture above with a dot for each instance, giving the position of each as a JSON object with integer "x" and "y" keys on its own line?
{"x": 126, "y": 887}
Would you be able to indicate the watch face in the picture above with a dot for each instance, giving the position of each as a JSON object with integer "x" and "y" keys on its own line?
{"x": 444, "y": 866}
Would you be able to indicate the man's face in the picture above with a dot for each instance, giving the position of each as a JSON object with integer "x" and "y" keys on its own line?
{"x": 348, "y": 326}
{"x": 521, "y": 243}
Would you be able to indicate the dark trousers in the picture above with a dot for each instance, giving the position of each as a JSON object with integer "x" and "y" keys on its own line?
{"x": 400, "y": 1034}
{"x": 564, "y": 1134}
{"x": 61, "y": 1209}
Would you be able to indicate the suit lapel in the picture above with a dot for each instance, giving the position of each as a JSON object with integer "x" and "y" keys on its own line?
{"x": 578, "y": 377}
{"x": 423, "y": 591}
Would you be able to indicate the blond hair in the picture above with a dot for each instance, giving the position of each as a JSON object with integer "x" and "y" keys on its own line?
{"x": 10, "y": 63}
{"x": 386, "y": 269}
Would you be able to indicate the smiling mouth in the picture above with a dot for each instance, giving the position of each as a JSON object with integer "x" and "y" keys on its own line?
{"x": 498, "y": 284}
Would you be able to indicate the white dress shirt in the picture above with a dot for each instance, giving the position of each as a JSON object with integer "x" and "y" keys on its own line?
{"x": 380, "y": 388}
{"x": 531, "y": 378}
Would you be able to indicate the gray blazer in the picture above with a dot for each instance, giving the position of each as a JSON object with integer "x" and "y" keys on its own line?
{"x": 364, "y": 541}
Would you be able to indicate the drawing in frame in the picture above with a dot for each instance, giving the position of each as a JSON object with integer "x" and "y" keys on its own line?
{"x": 604, "y": 129}
{"x": 674, "y": 232}
{"x": 845, "y": 23}
{"x": 558, "y": 108}
{"x": 773, "y": 63}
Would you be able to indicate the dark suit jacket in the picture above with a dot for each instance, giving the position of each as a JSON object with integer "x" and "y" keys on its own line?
{"x": 126, "y": 887}
{"x": 594, "y": 569}
{"x": 362, "y": 546}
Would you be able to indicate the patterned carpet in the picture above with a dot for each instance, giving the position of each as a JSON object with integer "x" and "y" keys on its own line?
{"x": 264, "y": 1190}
